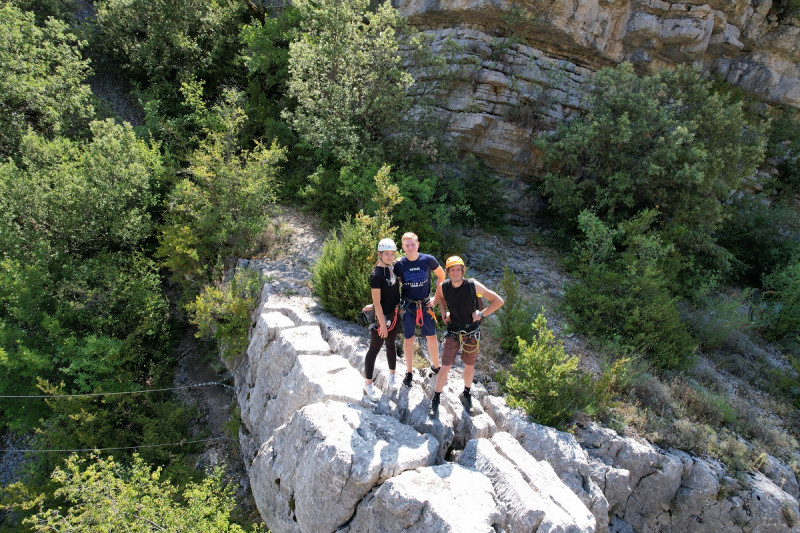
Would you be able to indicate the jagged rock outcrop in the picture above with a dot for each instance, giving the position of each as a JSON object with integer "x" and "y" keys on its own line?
{"x": 531, "y": 496}
{"x": 673, "y": 490}
{"x": 321, "y": 457}
{"x": 319, "y": 465}
{"x": 525, "y": 62}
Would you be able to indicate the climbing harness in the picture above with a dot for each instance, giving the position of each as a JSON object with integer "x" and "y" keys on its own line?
{"x": 421, "y": 306}
{"x": 390, "y": 322}
{"x": 463, "y": 335}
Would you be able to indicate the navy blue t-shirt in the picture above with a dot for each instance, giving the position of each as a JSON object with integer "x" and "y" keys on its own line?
{"x": 416, "y": 276}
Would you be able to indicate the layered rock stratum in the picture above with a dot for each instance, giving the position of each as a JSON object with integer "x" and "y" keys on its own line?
{"x": 525, "y": 64}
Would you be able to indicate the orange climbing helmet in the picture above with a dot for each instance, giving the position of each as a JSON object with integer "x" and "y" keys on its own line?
{"x": 454, "y": 260}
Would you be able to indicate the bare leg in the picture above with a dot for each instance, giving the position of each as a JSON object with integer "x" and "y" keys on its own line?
{"x": 408, "y": 353}
{"x": 441, "y": 378}
{"x": 469, "y": 373}
{"x": 433, "y": 348}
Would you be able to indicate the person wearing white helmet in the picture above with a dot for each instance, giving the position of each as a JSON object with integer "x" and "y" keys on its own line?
{"x": 385, "y": 291}
{"x": 459, "y": 303}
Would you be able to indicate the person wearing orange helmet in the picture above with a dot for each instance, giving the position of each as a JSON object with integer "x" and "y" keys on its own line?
{"x": 459, "y": 302}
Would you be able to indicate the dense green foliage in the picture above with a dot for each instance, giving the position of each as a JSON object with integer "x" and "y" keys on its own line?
{"x": 624, "y": 289}
{"x": 41, "y": 86}
{"x": 103, "y": 495}
{"x": 782, "y": 300}
{"x": 223, "y": 310}
{"x": 761, "y": 234}
{"x": 546, "y": 382}
{"x": 67, "y": 197}
{"x": 341, "y": 273}
{"x": 664, "y": 142}
{"x": 514, "y": 318}
{"x": 347, "y": 78}
{"x": 79, "y": 303}
{"x": 164, "y": 43}
{"x": 266, "y": 55}
{"x": 650, "y": 176}
{"x": 345, "y": 56}
{"x": 214, "y": 215}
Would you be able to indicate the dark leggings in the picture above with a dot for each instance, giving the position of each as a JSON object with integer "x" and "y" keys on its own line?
{"x": 375, "y": 344}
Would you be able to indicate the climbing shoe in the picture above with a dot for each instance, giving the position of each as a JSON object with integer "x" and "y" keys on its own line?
{"x": 407, "y": 379}
{"x": 435, "y": 370}
{"x": 434, "y": 412}
{"x": 466, "y": 399}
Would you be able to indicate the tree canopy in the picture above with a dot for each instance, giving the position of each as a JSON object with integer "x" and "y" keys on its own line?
{"x": 42, "y": 84}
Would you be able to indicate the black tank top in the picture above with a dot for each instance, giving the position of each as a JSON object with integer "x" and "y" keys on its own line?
{"x": 460, "y": 304}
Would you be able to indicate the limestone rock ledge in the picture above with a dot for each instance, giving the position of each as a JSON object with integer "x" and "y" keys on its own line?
{"x": 321, "y": 457}
{"x": 524, "y": 63}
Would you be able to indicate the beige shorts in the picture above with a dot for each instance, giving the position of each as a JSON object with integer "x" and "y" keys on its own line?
{"x": 469, "y": 350}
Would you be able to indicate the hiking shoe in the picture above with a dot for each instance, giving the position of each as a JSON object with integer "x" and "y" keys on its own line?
{"x": 434, "y": 411}
{"x": 466, "y": 399}
{"x": 407, "y": 379}
{"x": 371, "y": 393}
{"x": 435, "y": 370}
{"x": 394, "y": 382}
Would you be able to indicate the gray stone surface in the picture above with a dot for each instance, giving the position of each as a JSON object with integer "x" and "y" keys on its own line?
{"x": 447, "y": 498}
{"x": 675, "y": 491}
{"x": 567, "y": 458}
{"x": 516, "y": 83}
{"x": 324, "y": 458}
{"x": 313, "y": 379}
{"x": 531, "y": 497}
{"x": 315, "y": 469}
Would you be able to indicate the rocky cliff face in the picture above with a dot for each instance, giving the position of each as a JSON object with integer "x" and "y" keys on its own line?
{"x": 531, "y": 58}
{"x": 322, "y": 458}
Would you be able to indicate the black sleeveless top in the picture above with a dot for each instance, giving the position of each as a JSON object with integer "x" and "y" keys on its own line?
{"x": 460, "y": 304}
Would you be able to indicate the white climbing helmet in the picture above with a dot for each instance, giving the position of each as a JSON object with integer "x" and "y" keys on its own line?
{"x": 387, "y": 245}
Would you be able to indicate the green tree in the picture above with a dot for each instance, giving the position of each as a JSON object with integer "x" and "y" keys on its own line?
{"x": 782, "y": 308}
{"x": 42, "y": 76}
{"x": 76, "y": 198}
{"x": 623, "y": 293}
{"x": 99, "y": 494}
{"x": 762, "y": 234}
{"x": 545, "y": 380}
{"x": 214, "y": 215}
{"x": 163, "y": 43}
{"x": 341, "y": 274}
{"x": 43, "y": 9}
{"x": 266, "y": 56}
{"x": 222, "y": 311}
{"x": 80, "y": 305}
{"x": 514, "y": 318}
{"x": 664, "y": 142}
{"x": 347, "y": 78}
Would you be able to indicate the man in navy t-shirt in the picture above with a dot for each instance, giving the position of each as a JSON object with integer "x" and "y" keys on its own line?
{"x": 414, "y": 270}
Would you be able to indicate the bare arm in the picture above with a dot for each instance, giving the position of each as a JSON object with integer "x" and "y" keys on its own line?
{"x": 439, "y": 272}
{"x": 439, "y": 299}
{"x": 495, "y": 300}
{"x": 376, "y": 303}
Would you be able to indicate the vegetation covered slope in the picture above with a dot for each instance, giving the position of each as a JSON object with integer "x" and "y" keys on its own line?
{"x": 114, "y": 238}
